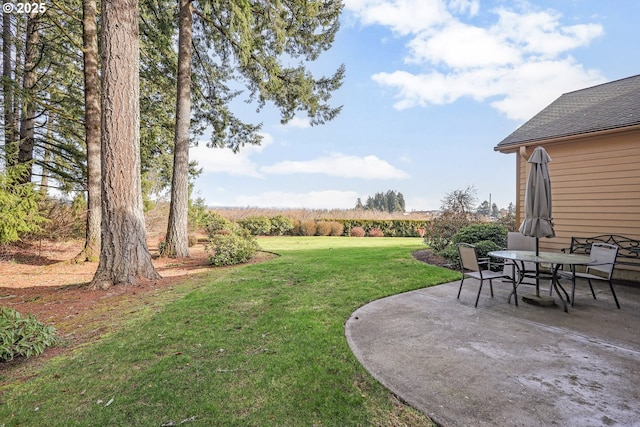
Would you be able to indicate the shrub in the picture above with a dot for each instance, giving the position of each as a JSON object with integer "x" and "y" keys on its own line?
{"x": 357, "y": 232}
{"x": 485, "y": 237}
{"x": 308, "y": 228}
{"x": 213, "y": 223}
{"x": 65, "y": 220}
{"x": 375, "y": 232}
{"x": 483, "y": 247}
{"x": 280, "y": 225}
{"x": 231, "y": 249}
{"x": 19, "y": 211}
{"x": 440, "y": 231}
{"x": 323, "y": 228}
{"x": 480, "y": 232}
{"x": 337, "y": 229}
{"x": 197, "y": 213}
{"x": 297, "y": 228}
{"x": 23, "y": 335}
{"x": 256, "y": 225}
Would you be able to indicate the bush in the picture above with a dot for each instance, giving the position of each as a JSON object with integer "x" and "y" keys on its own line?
{"x": 485, "y": 237}
{"x": 213, "y": 223}
{"x": 440, "y": 231}
{"x": 280, "y": 225}
{"x": 197, "y": 213}
{"x": 297, "y": 228}
{"x": 323, "y": 228}
{"x": 474, "y": 233}
{"x": 19, "y": 212}
{"x": 256, "y": 225}
{"x": 357, "y": 232}
{"x": 308, "y": 228}
{"x": 65, "y": 220}
{"x": 23, "y": 336}
{"x": 231, "y": 249}
{"x": 337, "y": 229}
{"x": 375, "y": 232}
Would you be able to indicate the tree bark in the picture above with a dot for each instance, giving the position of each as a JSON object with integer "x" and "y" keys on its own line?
{"x": 124, "y": 255}
{"x": 91, "y": 250}
{"x": 10, "y": 134}
{"x": 27, "y": 123}
{"x": 177, "y": 241}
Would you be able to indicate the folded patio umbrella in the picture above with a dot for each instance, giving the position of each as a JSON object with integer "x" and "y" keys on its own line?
{"x": 537, "y": 202}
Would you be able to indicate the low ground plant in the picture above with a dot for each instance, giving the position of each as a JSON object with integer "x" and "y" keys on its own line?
{"x": 23, "y": 335}
{"x": 260, "y": 344}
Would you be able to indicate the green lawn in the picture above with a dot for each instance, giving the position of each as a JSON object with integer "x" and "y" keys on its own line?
{"x": 254, "y": 345}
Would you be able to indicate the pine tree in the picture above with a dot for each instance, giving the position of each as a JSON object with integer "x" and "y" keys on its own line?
{"x": 124, "y": 258}
{"x": 250, "y": 42}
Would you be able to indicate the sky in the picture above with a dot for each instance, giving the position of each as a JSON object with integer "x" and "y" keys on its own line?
{"x": 431, "y": 87}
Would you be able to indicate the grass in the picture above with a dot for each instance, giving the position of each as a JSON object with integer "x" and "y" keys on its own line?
{"x": 260, "y": 344}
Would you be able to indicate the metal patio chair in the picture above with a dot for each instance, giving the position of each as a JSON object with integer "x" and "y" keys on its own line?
{"x": 470, "y": 266}
{"x": 603, "y": 256}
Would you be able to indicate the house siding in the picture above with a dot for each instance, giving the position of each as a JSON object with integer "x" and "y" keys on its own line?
{"x": 595, "y": 183}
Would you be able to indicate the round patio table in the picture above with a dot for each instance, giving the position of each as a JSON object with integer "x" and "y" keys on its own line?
{"x": 555, "y": 259}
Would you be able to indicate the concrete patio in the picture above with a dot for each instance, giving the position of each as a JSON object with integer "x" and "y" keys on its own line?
{"x": 502, "y": 365}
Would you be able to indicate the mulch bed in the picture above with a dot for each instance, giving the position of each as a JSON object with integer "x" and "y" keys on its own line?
{"x": 429, "y": 257}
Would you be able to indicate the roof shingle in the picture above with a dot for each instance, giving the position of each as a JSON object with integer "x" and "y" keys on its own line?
{"x": 607, "y": 106}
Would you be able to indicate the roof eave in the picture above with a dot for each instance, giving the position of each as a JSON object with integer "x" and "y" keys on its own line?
{"x": 515, "y": 147}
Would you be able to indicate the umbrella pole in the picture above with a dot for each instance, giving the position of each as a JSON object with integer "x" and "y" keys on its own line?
{"x": 537, "y": 269}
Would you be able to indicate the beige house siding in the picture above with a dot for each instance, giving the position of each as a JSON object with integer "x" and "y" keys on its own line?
{"x": 595, "y": 184}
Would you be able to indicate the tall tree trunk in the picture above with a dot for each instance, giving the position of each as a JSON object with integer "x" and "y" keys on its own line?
{"x": 46, "y": 158}
{"x": 10, "y": 134}
{"x": 124, "y": 256}
{"x": 27, "y": 123}
{"x": 91, "y": 250}
{"x": 177, "y": 231}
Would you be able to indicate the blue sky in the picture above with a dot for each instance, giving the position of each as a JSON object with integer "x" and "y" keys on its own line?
{"x": 431, "y": 87}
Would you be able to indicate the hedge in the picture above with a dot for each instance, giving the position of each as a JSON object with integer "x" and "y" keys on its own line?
{"x": 390, "y": 227}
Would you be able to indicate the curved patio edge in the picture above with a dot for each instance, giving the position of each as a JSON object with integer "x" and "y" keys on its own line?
{"x": 504, "y": 365}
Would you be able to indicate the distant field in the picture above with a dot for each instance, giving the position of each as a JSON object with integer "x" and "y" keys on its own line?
{"x": 235, "y": 214}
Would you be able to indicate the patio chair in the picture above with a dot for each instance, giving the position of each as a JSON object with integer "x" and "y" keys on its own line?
{"x": 470, "y": 266}
{"x": 603, "y": 256}
{"x": 517, "y": 241}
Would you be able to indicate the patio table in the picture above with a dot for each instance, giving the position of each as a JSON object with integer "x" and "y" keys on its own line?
{"x": 555, "y": 259}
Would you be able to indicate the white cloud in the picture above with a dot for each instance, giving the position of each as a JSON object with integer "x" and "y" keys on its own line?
{"x": 297, "y": 122}
{"x": 402, "y": 16}
{"x": 461, "y": 46}
{"x": 327, "y": 199}
{"x": 465, "y": 6}
{"x": 223, "y": 160}
{"x": 522, "y": 91}
{"x": 541, "y": 33}
{"x": 520, "y": 63}
{"x": 340, "y": 165}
